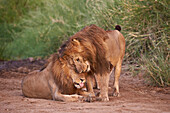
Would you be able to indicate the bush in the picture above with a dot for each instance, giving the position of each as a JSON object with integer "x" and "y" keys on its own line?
{"x": 156, "y": 68}
{"x": 156, "y": 62}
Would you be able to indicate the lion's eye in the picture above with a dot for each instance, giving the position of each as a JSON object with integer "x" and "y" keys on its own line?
{"x": 78, "y": 59}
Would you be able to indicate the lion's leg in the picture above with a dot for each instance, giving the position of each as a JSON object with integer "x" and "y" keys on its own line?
{"x": 83, "y": 93}
{"x": 61, "y": 97}
{"x": 87, "y": 96}
{"x": 117, "y": 72}
{"x": 53, "y": 88}
{"x": 68, "y": 98}
{"x": 104, "y": 82}
{"x": 89, "y": 79}
{"x": 56, "y": 95}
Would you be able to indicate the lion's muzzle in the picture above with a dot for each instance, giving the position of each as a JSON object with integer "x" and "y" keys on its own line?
{"x": 80, "y": 84}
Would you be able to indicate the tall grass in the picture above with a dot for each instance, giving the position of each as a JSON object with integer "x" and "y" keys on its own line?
{"x": 145, "y": 25}
{"x": 156, "y": 68}
{"x": 37, "y": 28}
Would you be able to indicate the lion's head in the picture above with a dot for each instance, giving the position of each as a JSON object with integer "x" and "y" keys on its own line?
{"x": 79, "y": 80}
{"x": 81, "y": 65}
{"x": 67, "y": 70}
{"x": 74, "y": 51}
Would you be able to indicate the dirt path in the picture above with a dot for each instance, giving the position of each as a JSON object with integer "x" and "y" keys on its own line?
{"x": 136, "y": 96}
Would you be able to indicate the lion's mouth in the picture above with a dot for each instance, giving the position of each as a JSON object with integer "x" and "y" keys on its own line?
{"x": 78, "y": 85}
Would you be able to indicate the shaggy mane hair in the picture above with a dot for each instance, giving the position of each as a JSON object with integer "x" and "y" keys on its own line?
{"x": 91, "y": 39}
{"x": 60, "y": 69}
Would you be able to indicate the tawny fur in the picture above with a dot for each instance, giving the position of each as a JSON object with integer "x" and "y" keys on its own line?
{"x": 115, "y": 53}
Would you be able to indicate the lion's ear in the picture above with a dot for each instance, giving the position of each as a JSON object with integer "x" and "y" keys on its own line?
{"x": 75, "y": 40}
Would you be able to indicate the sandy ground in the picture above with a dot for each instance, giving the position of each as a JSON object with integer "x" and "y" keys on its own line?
{"x": 136, "y": 95}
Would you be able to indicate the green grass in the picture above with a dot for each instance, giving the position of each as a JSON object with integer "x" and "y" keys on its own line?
{"x": 156, "y": 63}
{"x": 37, "y": 28}
{"x": 43, "y": 27}
{"x": 157, "y": 69}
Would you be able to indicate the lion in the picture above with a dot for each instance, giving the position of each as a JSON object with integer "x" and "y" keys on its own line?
{"x": 115, "y": 53}
{"x": 58, "y": 80}
{"x": 104, "y": 51}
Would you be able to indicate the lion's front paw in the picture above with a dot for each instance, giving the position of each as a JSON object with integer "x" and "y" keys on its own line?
{"x": 89, "y": 99}
{"x": 104, "y": 99}
{"x": 81, "y": 98}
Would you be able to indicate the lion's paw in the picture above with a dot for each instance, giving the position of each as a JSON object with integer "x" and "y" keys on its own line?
{"x": 81, "y": 98}
{"x": 104, "y": 99}
{"x": 89, "y": 99}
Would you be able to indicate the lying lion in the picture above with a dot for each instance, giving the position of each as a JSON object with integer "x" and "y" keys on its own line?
{"x": 58, "y": 81}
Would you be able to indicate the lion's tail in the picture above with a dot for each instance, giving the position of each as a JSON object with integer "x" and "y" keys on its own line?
{"x": 117, "y": 27}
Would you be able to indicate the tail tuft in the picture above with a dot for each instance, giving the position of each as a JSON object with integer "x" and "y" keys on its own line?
{"x": 117, "y": 27}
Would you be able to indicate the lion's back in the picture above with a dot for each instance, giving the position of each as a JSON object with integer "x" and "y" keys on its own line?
{"x": 35, "y": 85}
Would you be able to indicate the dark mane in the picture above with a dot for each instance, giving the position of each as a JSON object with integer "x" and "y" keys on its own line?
{"x": 62, "y": 48}
{"x": 92, "y": 40}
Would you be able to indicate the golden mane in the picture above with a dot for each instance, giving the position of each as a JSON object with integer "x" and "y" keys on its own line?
{"x": 60, "y": 70}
